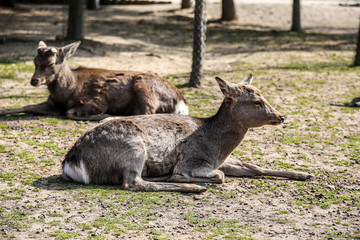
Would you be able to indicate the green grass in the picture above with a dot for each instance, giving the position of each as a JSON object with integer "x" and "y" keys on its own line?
{"x": 220, "y": 228}
{"x": 11, "y": 70}
{"x": 61, "y": 234}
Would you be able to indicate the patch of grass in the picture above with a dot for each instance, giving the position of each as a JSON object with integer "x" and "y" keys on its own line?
{"x": 95, "y": 237}
{"x": 326, "y": 197}
{"x": 29, "y": 178}
{"x": 7, "y": 176}
{"x": 280, "y": 212}
{"x": 342, "y": 163}
{"x": 282, "y": 220}
{"x": 61, "y": 234}
{"x": 282, "y": 164}
{"x": 55, "y": 214}
{"x": 11, "y": 194}
{"x": 227, "y": 195}
{"x": 65, "y": 132}
{"x": 341, "y": 235}
{"x": 200, "y": 102}
{"x": 27, "y": 155}
{"x": 110, "y": 222}
{"x": 292, "y": 140}
{"x": 15, "y": 219}
{"x": 4, "y": 126}
{"x": 321, "y": 67}
{"x": 51, "y": 121}
{"x": 11, "y": 70}
{"x": 55, "y": 223}
{"x": 218, "y": 228}
{"x": 47, "y": 163}
{"x": 84, "y": 226}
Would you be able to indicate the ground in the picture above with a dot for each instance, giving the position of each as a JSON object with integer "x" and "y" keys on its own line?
{"x": 307, "y": 76}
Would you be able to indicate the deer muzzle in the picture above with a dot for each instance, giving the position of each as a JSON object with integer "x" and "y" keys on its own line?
{"x": 280, "y": 120}
{"x": 34, "y": 82}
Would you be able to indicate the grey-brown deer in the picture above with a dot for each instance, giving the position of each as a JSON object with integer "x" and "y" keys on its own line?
{"x": 139, "y": 152}
{"x": 93, "y": 94}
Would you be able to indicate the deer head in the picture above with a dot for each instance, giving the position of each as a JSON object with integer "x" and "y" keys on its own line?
{"x": 50, "y": 61}
{"x": 248, "y": 107}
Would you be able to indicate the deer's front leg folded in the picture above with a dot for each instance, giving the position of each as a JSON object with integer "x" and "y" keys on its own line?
{"x": 202, "y": 172}
{"x": 92, "y": 110}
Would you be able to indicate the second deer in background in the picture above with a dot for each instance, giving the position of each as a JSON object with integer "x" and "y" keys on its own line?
{"x": 93, "y": 93}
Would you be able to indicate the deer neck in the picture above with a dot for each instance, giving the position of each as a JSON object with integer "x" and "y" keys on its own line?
{"x": 227, "y": 134}
{"x": 64, "y": 83}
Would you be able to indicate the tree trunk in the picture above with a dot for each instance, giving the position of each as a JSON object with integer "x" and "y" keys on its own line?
{"x": 76, "y": 20}
{"x": 228, "y": 10}
{"x": 357, "y": 55}
{"x": 198, "y": 43}
{"x": 296, "y": 22}
{"x": 92, "y": 4}
{"x": 185, "y": 4}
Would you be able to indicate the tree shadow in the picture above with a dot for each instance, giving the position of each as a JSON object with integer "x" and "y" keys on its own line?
{"x": 173, "y": 31}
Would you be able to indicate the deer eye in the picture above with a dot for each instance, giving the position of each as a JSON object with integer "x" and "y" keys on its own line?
{"x": 257, "y": 103}
{"x": 51, "y": 64}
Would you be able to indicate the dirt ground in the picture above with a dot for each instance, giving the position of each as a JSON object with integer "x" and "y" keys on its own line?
{"x": 306, "y": 76}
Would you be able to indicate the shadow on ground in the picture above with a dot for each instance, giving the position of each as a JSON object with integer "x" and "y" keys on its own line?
{"x": 30, "y": 24}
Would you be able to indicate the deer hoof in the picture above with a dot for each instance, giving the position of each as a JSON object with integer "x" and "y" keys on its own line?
{"x": 108, "y": 119}
{"x": 177, "y": 178}
{"x": 309, "y": 176}
{"x": 200, "y": 189}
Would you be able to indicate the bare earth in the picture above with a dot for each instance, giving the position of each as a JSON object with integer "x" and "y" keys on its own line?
{"x": 304, "y": 76}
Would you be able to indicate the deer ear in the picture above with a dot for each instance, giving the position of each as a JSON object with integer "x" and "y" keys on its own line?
{"x": 247, "y": 80}
{"x": 227, "y": 88}
{"x": 42, "y": 45}
{"x": 70, "y": 49}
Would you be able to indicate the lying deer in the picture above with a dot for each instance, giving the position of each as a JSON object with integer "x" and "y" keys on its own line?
{"x": 136, "y": 151}
{"x": 89, "y": 93}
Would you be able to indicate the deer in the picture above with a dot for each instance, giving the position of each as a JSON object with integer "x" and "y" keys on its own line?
{"x": 93, "y": 93}
{"x": 168, "y": 152}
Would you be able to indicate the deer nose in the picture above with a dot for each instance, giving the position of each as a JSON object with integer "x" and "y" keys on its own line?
{"x": 34, "y": 81}
{"x": 282, "y": 119}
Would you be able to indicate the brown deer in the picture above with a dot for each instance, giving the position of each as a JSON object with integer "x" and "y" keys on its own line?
{"x": 92, "y": 94}
{"x": 136, "y": 152}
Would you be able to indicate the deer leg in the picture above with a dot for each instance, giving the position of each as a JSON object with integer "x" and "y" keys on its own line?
{"x": 236, "y": 168}
{"x": 141, "y": 185}
{"x": 196, "y": 171}
{"x": 45, "y": 108}
{"x": 145, "y": 104}
{"x": 75, "y": 115}
{"x": 92, "y": 110}
{"x": 131, "y": 177}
